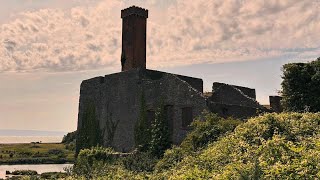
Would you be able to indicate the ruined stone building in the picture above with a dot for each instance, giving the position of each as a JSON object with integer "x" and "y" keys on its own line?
{"x": 116, "y": 97}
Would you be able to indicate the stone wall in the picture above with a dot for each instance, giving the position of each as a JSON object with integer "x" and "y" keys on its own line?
{"x": 236, "y": 111}
{"x": 228, "y": 94}
{"x": 234, "y": 101}
{"x": 196, "y": 83}
{"x": 117, "y": 99}
{"x": 245, "y": 90}
{"x": 275, "y": 103}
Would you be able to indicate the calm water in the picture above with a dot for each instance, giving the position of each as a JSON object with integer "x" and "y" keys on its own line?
{"x": 40, "y": 168}
{"x": 28, "y": 139}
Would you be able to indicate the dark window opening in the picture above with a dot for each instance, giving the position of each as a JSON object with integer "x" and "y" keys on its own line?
{"x": 169, "y": 116}
{"x": 187, "y": 116}
{"x": 150, "y": 117}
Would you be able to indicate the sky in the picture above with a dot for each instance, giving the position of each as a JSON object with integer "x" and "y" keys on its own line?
{"x": 47, "y": 47}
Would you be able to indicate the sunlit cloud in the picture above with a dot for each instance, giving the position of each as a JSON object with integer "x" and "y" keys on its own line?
{"x": 89, "y": 37}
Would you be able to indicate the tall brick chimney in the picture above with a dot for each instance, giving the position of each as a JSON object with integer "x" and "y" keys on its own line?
{"x": 134, "y": 37}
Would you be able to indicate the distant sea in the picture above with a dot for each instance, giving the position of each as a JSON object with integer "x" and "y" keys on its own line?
{"x": 29, "y": 139}
{"x": 27, "y": 136}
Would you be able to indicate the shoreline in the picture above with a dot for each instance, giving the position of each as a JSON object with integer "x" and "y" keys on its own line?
{"x": 36, "y": 153}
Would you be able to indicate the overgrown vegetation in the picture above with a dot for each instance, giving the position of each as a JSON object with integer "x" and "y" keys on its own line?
{"x": 300, "y": 86}
{"x": 206, "y": 129}
{"x": 152, "y": 137}
{"x": 142, "y": 133}
{"x": 271, "y": 146}
{"x": 160, "y": 134}
{"x": 40, "y": 153}
{"x": 69, "y": 138}
{"x": 89, "y": 135}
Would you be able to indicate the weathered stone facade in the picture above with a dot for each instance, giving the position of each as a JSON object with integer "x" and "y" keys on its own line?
{"x": 116, "y": 98}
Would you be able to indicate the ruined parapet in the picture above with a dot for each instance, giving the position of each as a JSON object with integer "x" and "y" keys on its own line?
{"x": 196, "y": 83}
{"x": 134, "y": 37}
{"x": 245, "y": 90}
{"x": 275, "y": 103}
{"x": 233, "y": 95}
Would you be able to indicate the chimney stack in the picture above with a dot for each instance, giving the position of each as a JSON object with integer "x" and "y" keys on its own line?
{"x": 134, "y": 37}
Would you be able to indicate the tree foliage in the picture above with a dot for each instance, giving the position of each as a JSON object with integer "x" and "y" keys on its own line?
{"x": 69, "y": 138}
{"x": 301, "y": 86}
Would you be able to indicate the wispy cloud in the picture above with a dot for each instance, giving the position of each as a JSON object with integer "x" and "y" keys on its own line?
{"x": 83, "y": 38}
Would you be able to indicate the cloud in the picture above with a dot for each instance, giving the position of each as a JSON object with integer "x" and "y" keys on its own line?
{"x": 78, "y": 38}
{"x": 188, "y": 32}
{"x": 230, "y": 30}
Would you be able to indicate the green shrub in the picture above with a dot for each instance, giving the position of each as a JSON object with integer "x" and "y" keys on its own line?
{"x": 55, "y": 152}
{"x": 71, "y": 146}
{"x": 160, "y": 135}
{"x": 272, "y": 146}
{"x": 53, "y": 175}
{"x": 139, "y": 162}
{"x": 94, "y": 161}
{"x": 206, "y": 129}
{"x": 24, "y": 172}
{"x": 170, "y": 159}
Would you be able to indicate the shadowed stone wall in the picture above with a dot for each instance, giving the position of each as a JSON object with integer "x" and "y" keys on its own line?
{"x": 247, "y": 91}
{"x": 275, "y": 103}
{"x": 117, "y": 99}
{"x": 234, "y": 101}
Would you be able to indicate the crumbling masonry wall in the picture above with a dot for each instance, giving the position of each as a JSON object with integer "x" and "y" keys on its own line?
{"x": 117, "y": 99}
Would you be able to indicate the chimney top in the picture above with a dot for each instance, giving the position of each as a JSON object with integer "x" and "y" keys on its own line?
{"x": 134, "y": 10}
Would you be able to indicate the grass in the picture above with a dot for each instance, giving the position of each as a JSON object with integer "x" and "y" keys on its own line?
{"x": 35, "y": 153}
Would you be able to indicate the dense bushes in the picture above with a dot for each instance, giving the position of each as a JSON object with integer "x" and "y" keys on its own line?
{"x": 206, "y": 129}
{"x": 92, "y": 162}
{"x": 104, "y": 163}
{"x": 271, "y": 146}
{"x": 284, "y": 146}
{"x": 139, "y": 162}
{"x": 301, "y": 86}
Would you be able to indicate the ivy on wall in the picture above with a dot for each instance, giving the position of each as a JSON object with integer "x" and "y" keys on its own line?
{"x": 157, "y": 138}
{"x": 110, "y": 130}
{"x": 89, "y": 133}
{"x": 160, "y": 134}
{"x": 142, "y": 132}
{"x": 301, "y": 86}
